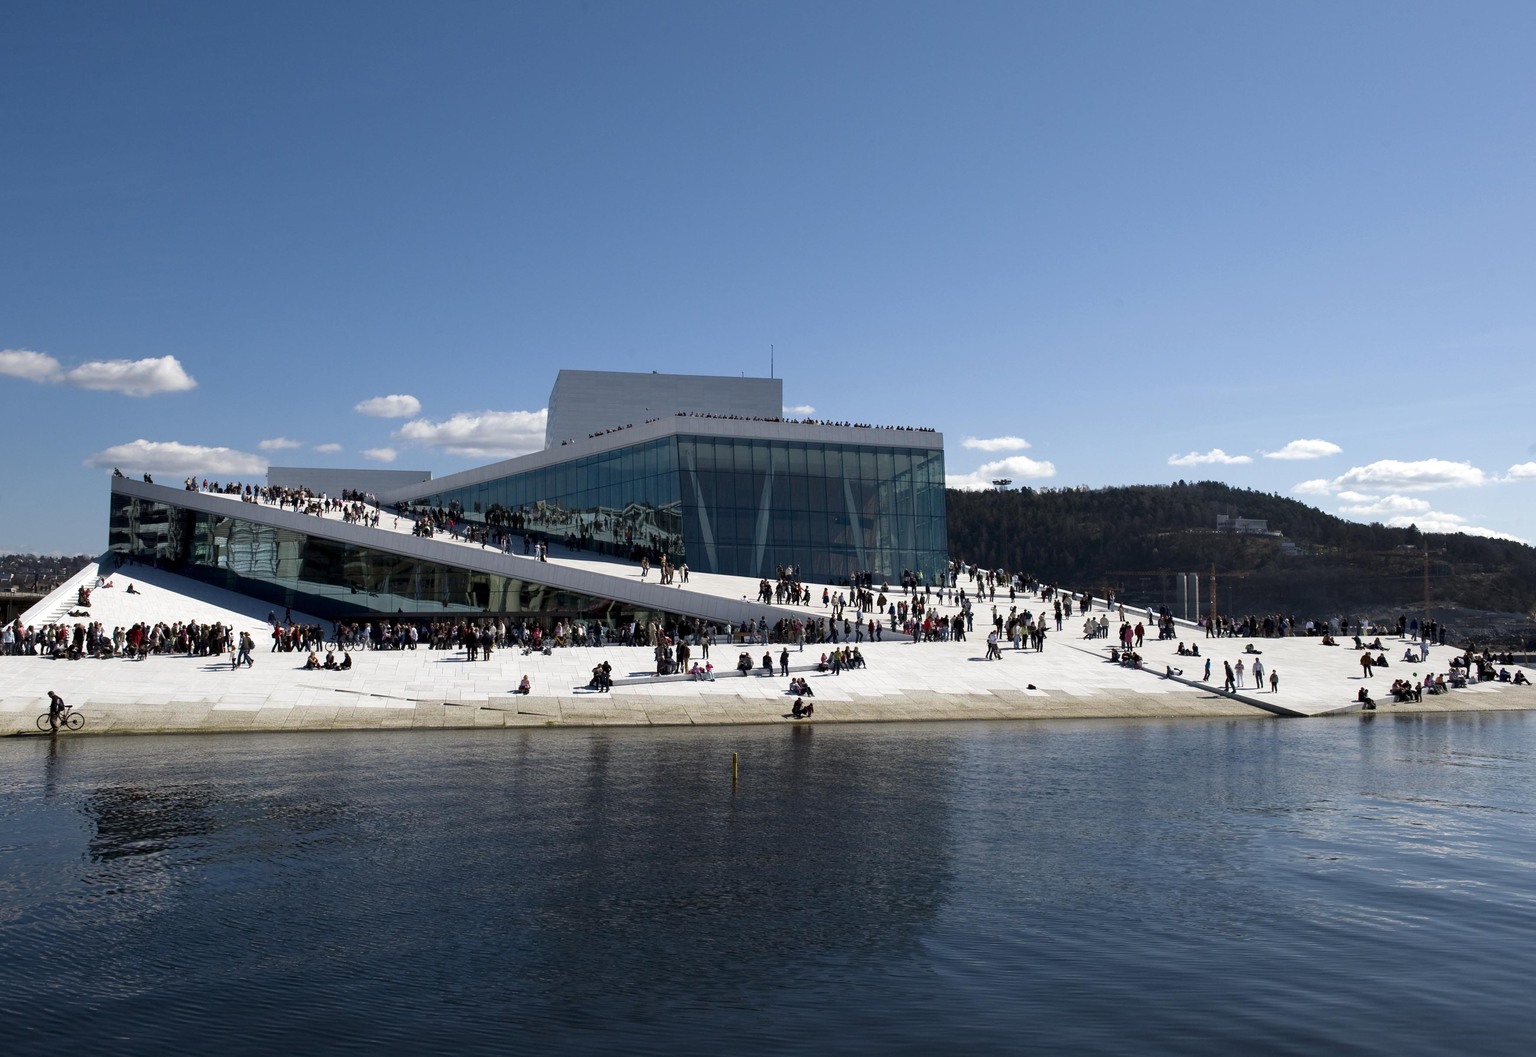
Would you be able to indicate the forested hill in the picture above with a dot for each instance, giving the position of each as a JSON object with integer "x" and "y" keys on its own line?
{"x": 1136, "y": 538}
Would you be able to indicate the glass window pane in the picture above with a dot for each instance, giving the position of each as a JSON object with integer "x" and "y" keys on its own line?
{"x": 834, "y": 462}
{"x": 867, "y": 465}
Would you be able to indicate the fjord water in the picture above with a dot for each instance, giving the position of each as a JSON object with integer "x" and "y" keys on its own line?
{"x": 1352, "y": 886}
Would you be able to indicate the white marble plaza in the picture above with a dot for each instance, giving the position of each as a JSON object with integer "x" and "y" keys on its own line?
{"x": 425, "y": 688}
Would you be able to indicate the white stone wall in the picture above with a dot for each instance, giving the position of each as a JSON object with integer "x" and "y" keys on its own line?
{"x": 586, "y": 402}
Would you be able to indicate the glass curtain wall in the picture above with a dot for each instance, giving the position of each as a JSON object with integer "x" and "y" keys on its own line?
{"x": 330, "y": 578}
{"x": 611, "y": 503}
{"x": 744, "y": 507}
{"x": 829, "y": 510}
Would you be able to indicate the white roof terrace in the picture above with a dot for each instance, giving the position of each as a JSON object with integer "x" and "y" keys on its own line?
{"x": 720, "y": 599}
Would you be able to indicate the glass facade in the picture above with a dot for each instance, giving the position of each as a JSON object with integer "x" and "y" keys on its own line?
{"x": 610, "y": 503}
{"x": 332, "y": 579}
{"x": 739, "y": 506}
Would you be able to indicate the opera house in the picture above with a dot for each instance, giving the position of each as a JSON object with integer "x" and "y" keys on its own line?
{"x": 704, "y": 472}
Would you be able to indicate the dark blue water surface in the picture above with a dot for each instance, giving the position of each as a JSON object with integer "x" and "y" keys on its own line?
{"x": 1342, "y": 886}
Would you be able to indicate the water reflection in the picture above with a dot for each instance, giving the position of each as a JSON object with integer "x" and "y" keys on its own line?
{"x": 139, "y": 821}
{"x": 862, "y": 889}
{"x": 631, "y": 872}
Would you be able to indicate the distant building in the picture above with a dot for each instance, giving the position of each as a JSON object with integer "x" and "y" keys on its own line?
{"x": 1242, "y": 525}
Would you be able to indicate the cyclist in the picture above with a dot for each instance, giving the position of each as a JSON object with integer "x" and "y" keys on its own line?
{"x": 55, "y": 711}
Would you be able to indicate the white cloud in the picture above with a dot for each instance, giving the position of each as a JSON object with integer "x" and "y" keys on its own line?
{"x": 173, "y": 457}
{"x": 278, "y": 444}
{"x": 1374, "y": 506}
{"x": 328, "y": 449}
{"x": 1439, "y": 521}
{"x": 799, "y": 411}
{"x": 33, "y": 366}
{"x": 1214, "y": 456}
{"x": 1422, "y": 476}
{"x": 1524, "y": 471}
{"x": 1350, "y": 497}
{"x": 1305, "y": 449}
{"x": 1317, "y": 486}
{"x": 162, "y": 374}
{"x": 380, "y": 454}
{"x": 995, "y": 443}
{"x": 1017, "y": 468}
{"x": 398, "y": 405}
{"x": 487, "y": 435}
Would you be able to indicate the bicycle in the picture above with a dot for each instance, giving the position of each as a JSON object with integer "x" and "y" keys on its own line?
{"x": 68, "y": 718}
{"x": 346, "y": 637}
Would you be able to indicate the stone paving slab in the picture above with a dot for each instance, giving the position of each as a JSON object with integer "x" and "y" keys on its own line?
{"x": 903, "y": 681}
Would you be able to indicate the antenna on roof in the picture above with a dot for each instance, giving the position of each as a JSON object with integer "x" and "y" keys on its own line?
{"x": 770, "y": 361}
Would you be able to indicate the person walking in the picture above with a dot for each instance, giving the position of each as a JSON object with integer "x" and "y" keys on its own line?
{"x": 55, "y": 711}
{"x": 247, "y": 644}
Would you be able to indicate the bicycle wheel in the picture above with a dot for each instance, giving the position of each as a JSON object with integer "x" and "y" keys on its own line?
{"x": 42, "y": 722}
{"x": 75, "y": 720}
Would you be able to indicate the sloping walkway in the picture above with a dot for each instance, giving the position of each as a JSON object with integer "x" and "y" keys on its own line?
{"x": 1071, "y": 678}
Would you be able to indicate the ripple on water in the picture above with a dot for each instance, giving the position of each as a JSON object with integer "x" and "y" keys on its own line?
{"x": 1079, "y": 888}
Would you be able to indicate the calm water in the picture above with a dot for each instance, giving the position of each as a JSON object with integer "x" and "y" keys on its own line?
{"x": 1350, "y": 886}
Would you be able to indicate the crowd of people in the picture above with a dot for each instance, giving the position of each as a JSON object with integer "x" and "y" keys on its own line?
{"x": 758, "y": 418}
{"x": 925, "y": 608}
{"x": 801, "y": 421}
{"x": 1279, "y": 625}
{"x": 353, "y": 507}
{"x": 1466, "y": 669}
{"x": 79, "y": 640}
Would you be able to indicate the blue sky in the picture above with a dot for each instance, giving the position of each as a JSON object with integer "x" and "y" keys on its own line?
{"x": 1288, "y": 246}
